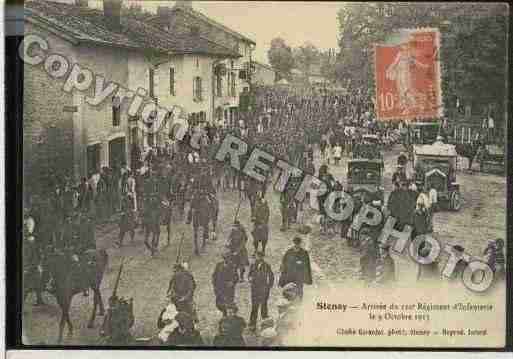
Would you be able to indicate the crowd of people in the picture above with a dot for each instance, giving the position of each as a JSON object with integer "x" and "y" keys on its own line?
{"x": 156, "y": 188}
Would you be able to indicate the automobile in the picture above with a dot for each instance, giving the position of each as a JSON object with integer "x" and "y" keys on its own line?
{"x": 370, "y": 148}
{"x": 422, "y": 133}
{"x": 365, "y": 180}
{"x": 491, "y": 157}
{"x": 435, "y": 166}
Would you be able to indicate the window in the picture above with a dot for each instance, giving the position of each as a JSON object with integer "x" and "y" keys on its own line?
{"x": 116, "y": 111}
{"x": 152, "y": 82}
{"x": 151, "y": 140}
{"x": 197, "y": 89}
{"x": 219, "y": 86}
{"x": 172, "y": 81}
{"x": 197, "y": 62}
{"x": 232, "y": 85}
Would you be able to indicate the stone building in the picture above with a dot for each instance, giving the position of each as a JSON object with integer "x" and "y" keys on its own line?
{"x": 231, "y": 75}
{"x": 63, "y": 132}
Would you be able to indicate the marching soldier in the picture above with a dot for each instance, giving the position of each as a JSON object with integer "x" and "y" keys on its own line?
{"x": 118, "y": 321}
{"x": 261, "y": 277}
{"x": 296, "y": 267}
{"x": 224, "y": 280}
{"x": 285, "y": 207}
{"x": 261, "y": 223}
{"x": 181, "y": 290}
{"x": 237, "y": 245}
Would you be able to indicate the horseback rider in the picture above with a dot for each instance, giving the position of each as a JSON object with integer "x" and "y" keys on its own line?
{"x": 181, "y": 290}
{"x": 237, "y": 246}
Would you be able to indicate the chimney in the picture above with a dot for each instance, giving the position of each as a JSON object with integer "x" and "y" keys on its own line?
{"x": 112, "y": 13}
{"x": 186, "y": 4}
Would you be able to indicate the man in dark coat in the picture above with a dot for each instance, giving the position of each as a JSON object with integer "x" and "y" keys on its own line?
{"x": 400, "y": 204}
{"x": 296, "y": 267}
{"x": 224, "y": 280}
{"x": 185, "y": 334}
{"x": 181, "y": 290}
{"x": 237, "y": 246}
{"x": 261, "y": 277}
{"x": 233, "y": 326}
{"x": 261, "y": 221}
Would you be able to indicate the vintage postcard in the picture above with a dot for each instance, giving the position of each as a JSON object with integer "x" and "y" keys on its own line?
{"x": 263, "y": 174}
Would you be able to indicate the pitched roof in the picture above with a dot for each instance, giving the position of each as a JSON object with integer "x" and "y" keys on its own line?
{"x": 84, "y": 24}
{"x": 162, "y": 21}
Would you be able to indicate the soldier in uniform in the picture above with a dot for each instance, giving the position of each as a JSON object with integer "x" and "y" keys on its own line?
{"x": 234, "y": 326}
{"x": 296, "y": 267}
{"x": 32, "y": 270}
{"x": 118, "y": 321}
{"x": 261, "y": 277}
{"x": 285, "y": 207}
{"x": 127, "y": 219}
{"x": 237, "y": 246}
{"x": 181, "y": 290}
{"x": 261, "y": 222}
{"x": 224, "y": 280}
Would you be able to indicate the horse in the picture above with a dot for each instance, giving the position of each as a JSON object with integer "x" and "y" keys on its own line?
{"x": 69, "y": 278}
{"x": 203, "y": 212}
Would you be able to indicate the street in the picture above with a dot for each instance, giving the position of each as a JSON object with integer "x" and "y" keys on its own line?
{"x": 482, "y": 218}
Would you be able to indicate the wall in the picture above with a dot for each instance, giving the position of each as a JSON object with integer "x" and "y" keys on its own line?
{"x": 185, "y": 70}
{"x": 89, "y": 125}
{"x": 45, "y": 148}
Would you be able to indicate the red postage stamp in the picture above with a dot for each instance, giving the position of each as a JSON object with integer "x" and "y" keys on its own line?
{"x": 408, "y": 77}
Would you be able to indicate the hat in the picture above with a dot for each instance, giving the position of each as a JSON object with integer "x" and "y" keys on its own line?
{"x": 232, "y": 306}
{"x": 297, "y": 240}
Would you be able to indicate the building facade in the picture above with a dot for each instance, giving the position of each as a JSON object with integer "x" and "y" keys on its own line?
{"x": 230, "y": 75}
{"x": 64, "y": 134}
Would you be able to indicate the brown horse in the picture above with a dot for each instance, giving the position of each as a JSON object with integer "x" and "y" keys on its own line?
{"x": 69, "y": 277}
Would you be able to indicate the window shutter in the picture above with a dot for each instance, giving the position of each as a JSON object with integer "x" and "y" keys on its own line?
{"x": 172, "y": 81}
{"x": 194, "y": 88}
{"x": 152, "y": 82}
{"x": 116, "y": 113}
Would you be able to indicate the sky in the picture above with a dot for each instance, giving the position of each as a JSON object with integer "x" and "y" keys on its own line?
{"x": 294, "y": 21}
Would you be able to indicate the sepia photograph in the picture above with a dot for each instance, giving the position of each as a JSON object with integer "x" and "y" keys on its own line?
{"x": 263, "y": 174}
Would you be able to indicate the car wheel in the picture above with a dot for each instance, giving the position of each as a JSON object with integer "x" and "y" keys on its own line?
{"x": 455, "y": 201}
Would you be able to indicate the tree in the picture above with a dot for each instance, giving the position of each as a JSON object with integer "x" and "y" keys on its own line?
{"x": 305, "y": 56}
{"x": 280, "y": 57}
{"x": 473, "y": 45}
